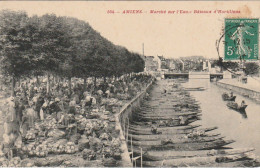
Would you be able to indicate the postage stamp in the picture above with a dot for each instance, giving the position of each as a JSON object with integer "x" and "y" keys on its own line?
{"x": 241, "y": 39}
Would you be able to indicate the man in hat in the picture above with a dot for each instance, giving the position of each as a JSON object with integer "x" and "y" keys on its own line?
{"x": 231, "y": 94}
{"x": 54, "y": 107}
{"x": 38, "y": 105}
{"x": 243, "y": 103}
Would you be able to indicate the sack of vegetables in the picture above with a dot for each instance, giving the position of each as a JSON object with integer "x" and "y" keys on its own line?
{"x": 83, "y": 144}
{"x": 70, "y": 148}
{"x": 109, "y": 162}
{"x": 41, "y": 151}
{"x": 88, "y": 154}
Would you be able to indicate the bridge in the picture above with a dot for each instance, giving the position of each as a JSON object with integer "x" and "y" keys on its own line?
{"x": 195, "y": 75}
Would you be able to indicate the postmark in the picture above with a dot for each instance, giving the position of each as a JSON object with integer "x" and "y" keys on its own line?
{"x": 241, "y": 39}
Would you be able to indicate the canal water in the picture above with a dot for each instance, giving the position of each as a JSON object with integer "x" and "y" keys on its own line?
{"x": 243, "y": 128}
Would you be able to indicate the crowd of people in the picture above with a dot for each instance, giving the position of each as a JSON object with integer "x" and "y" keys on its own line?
{"x": 68, "y": 110}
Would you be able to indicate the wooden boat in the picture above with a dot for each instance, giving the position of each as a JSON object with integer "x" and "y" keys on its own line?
{"x": 167, "y": 135}
{"x": 245, "y": 162}
{"x": 226, "y": 97}
{"x": 166, "y": 105}
{"x": 182, "y": 120}
{"x": 171, "y": 100}
{"x": 169, "y": 107}
{"x": 147, "y": 128}
{"x": 235, "y": 106}
{"x": 171, "y": 123}
{"x": 195, "y": 161}
{"x": 189, "y": 105}
{"x": 171, "y": 110}
{"x": 169, "y": 154}
{"x": 174, "y": 140}
{"x": 160, "y": 132}
{"x": 165, "y": 131}
{"x": 166, "y": 117}
{"x": 192, "y": 146}
{"x": 174, "y": 97}
{"x": 163, "y": 136}
{"x": 158, "y": 113}
{"x": 195, "y": 89}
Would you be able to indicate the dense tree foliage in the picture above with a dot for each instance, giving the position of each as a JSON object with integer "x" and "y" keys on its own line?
{"x": 60, "y": 46}
{"x": 251, "y": 68}
{"x": 15, "y": 44}
{"x": 234, "y": 66}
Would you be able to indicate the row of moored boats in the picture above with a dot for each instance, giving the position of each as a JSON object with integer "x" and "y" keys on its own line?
{"x": 163, "y": 128}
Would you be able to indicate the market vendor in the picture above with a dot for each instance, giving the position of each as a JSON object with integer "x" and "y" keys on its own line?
{"x": 107, "y": 93}
{"x": 85, "y": 94}
{"x": 45, "y": 105}
{"x": 111, "y": 88}
{"x": 61, "y": 117}
{"x": 72, "y": 107}
{"x": 75, "y": 96}
{"x": 100, "y": 92}
{"x": 91, "y": 100}
{"x": 38, "y": 105}
{"x": 243, "y": 103}
{"x": 31, "y": 91}
{"x": 88, "y": 97}
{"x": 231, "y": 94}
{"x": 126, "y": 89}
{"x": 20, "y": 107}
{"x": 31, "y": 113}
{"x": 9, "y": 143}
{"x": 94, "y": 100}
{"x": 54, "y": 107}
{"x": 154, "y": 128}
{"x": 24, "y": 125}
{"x": 11, "y": 109}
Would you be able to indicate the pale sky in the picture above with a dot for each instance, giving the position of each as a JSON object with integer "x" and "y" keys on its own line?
{"x": 170, "y": 35}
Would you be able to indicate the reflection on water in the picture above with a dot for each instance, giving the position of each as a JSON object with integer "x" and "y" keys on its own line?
{"x": 243, "y": 127}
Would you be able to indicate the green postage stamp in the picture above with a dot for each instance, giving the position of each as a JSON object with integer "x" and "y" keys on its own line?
{"x": 241, "y": 39}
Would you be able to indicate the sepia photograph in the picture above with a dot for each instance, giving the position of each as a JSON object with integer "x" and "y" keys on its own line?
{"x": 129, "y": 84}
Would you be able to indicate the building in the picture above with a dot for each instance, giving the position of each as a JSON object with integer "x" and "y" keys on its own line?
{"x": 151, "y": 63}
{"x": 169, "y": 64}
{"x": 206, "y": 66}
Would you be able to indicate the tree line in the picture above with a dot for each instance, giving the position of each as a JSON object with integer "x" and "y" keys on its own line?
{"x": 250, "y": 68}
{"x": 64, "y": 46}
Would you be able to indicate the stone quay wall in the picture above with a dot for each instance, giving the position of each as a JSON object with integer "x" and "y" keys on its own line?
{"x": 122, "y": 119}
{"x": 252, "y": 94}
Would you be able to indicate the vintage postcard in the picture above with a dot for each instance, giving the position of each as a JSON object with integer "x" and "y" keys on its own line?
{"x": 129, "y": 84}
